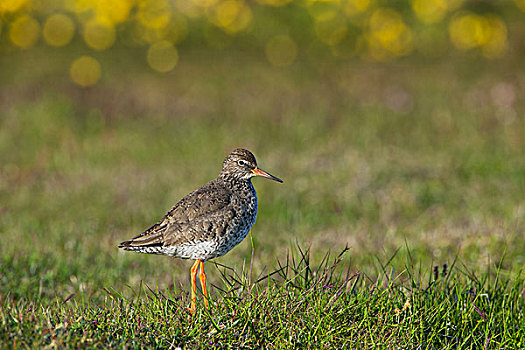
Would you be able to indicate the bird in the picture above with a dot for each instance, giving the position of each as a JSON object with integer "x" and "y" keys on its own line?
{"x": 208, "y": 222}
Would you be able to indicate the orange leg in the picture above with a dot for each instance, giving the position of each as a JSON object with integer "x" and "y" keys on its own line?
{"x": 202, "y": 277}
{"x": 194, "y": 270}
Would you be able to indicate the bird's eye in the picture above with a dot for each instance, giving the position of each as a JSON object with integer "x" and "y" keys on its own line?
{"x": 242, "y": 162}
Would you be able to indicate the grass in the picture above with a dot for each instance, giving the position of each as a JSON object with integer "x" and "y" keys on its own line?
{"x": 411, "y": 165}
{"x": 296, "y": 306}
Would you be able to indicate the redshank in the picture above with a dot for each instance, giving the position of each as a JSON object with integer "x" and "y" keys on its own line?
{"x": 208, "y": 222}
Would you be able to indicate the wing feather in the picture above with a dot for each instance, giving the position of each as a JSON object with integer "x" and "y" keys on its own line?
{"x": 189, "y": 219}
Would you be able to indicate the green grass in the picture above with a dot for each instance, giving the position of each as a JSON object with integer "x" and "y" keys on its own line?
{"x": 411, "y": 165}
{"x": 296, "y": 306}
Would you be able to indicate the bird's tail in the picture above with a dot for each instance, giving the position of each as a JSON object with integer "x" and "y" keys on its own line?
{"x": 143, "y": 244}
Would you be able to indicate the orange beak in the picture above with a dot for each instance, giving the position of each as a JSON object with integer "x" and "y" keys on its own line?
{"x": 263, "y": 173}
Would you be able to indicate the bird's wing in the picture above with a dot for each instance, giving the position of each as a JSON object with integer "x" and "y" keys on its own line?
{"x": 210, "y": 198}
{"x": 201, "y": 229}
{"x": 187, "y": 218}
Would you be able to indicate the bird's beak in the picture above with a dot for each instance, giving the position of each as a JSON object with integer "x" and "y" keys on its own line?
{"x": 263, "y": 173}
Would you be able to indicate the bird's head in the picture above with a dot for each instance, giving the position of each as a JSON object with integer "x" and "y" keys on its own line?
{"x": 240, "y": 164}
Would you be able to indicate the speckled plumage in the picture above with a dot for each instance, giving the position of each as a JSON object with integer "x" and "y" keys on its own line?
{"x": 210, "y": 221}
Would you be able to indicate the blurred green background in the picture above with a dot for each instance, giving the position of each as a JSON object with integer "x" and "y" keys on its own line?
{"x": 394, "y": 124}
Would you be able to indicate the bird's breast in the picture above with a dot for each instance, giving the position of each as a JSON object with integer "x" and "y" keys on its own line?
{"x": 243, "y": 211}
{"x": 246, "y": 208}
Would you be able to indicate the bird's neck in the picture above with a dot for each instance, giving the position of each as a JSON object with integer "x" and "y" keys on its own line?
{"x": 234, "y": 182}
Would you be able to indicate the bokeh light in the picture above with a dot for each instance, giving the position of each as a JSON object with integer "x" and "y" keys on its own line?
{"x": 188, "y": 9}
{"x": 99, "y": 35}
{"x": 520, "y": 4}
{"x": 355, "y": 7}
{"x": 85, "y": 71}
{"x": 117, "y": 12}
{"x": 469, "y": 30}
{"x": 203, "y": 4}
{"x": 276, "y": 3}
{"x": 58, "y": 30}
{"x": 430, "y": 11}
{"x": 162, "y": 56}
{"x": 154, "y": 13}
{"x": 24, "y": 31}
{"x": 496, "y": 44}
{"x": 232, "y": 16}
{"x": 7, "y": 6}
{"x": 389, "y": 35}
{"x": 175, "y": 31}
{"x": 347, "y": 28}
{"x": 114, "y": 11}
{"x": 281, "y": 51}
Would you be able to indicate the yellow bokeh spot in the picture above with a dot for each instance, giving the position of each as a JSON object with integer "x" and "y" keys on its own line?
{"x": 231, "y": 15}
{"x": 58, "y": 30}
{"x": 225, "y": 12}
{"x": 430, "y": 11}
{"x": 355, "y": 7}
{"x": 468, "y": 31}
{"x": 175, "y": 31}
{"x": 281, "y": 51}
{"x": 162, "y": 56}
{"x": 496, "y": 45}
{"x": 99, "y": 35}
{"x": 85, "y": 71}
{"x": 331, "y": 30}
{"x": 204, "y": 3}
{"x": 12, "y": 5}
{"x": 115, "y": 11}
{"x": 24, "y": 31}
{"x": 389, "y": 35}
{"x": 188, "y": 9}
{"x": 154, "y": 13}
{"x": 520, "y": 4}
{"x": 276, "y": 3}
